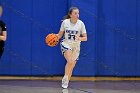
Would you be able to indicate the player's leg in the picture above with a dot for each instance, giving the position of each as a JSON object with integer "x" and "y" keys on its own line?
{"x": 67, "y": 52}
{"x": 70, "y": 61}
{"x": 70, "y": 73}
{"x": 75, "y": 55}
{"x": 68, "y": 56}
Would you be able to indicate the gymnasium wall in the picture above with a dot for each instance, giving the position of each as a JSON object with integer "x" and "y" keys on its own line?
{"x": 112, "y": 49}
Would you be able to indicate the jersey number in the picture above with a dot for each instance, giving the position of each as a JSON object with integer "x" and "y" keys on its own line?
{"x": 71, "y": 36}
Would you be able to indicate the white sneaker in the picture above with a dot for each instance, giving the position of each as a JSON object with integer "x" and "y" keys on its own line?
{"x": 65, "y": 82}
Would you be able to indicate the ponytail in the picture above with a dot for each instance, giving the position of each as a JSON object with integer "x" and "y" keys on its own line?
{"x": 70, "y": 11}
{"x": 66, "y": 17}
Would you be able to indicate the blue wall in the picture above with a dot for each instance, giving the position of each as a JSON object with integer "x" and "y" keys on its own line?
{"x": 112, "y": 49}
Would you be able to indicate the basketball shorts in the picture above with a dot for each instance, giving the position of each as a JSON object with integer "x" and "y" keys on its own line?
{"x": 73, "y": 46}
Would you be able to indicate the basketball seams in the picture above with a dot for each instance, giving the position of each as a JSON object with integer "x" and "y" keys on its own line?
{"x": 53, "y": 42}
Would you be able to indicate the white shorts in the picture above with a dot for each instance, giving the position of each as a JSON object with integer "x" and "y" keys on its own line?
{"x": 73, "y": 46}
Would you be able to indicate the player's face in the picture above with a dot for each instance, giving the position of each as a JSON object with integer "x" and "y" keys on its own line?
{"x": 0, "y": 11}
{"x": 75, "y": 14}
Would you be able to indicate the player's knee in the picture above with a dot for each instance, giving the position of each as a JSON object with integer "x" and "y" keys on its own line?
{"x": 72, "y": 64}
{"x": 70, "y": 60}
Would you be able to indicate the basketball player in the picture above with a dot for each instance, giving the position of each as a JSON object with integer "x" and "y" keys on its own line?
{"x": 2, "y": 33}
{"x": 74, "y": 32}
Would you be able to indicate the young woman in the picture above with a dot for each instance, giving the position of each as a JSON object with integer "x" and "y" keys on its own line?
{"x": 74, "y": 32}
{"x": 2, "y": 33}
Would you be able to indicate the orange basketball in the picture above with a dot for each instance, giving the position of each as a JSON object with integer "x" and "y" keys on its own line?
{"x": 52, "y": 40}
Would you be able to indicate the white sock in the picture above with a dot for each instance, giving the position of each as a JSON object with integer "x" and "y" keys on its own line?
{"x": 65, "y": 76}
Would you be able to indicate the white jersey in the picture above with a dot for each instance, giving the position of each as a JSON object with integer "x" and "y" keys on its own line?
{"x": 72, "y": 30}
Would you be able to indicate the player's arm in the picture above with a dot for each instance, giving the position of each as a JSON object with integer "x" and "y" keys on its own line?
{"x": 60, "y": 34}
{"x": 3, "y": 36}
{"x": 84, "y": 34}
{"x": 83, "y": 38}
{"x": 62, "y": 30}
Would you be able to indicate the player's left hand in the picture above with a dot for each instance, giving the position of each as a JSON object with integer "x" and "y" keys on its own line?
{"x": 78, "y": 38}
